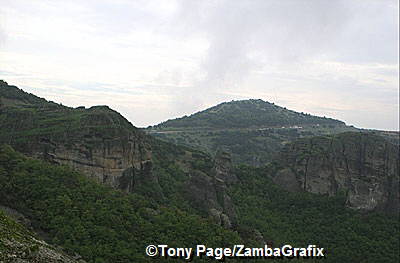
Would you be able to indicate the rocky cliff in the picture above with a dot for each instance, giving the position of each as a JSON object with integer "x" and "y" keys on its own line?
{"x": 106, "y": 147}
{"x": 365, "y": 167}
{"x": 97, "y": 141}
{"x": 208, "y": 192}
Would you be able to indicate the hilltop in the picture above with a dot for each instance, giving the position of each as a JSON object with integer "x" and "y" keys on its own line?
{"x": 246, "y": 114}
{"x": 251, "y": 130}
{"x": 103, "y": 145}
{"x": 104, "y": 189}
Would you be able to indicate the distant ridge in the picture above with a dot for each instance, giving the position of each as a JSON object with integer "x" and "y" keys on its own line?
{"x": 252, "y": 131}
{"x": 246, "y": 114}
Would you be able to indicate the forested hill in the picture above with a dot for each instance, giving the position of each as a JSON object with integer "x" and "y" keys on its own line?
{"x": 162, "y": 193}
{"x": 246, "y": 114}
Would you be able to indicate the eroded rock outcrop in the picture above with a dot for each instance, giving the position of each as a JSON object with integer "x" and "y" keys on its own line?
{"x": 208, "y": 193}
{"x": 104, "y": 159}
{"x": 363, "y": 166}
{"x": 223, "y": 167}
{"x": 97, "y": 141}
{"x": 116, "y": 156}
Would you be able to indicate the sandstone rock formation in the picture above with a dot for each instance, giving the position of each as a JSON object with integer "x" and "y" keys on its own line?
{"x": 223, "y": 167}
{"x": 363, "y": 166}
{"x": 97, "y": 141}
{"x": 208, "y": 193}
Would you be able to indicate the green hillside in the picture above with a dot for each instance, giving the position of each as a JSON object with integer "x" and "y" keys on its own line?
{"x": 251, "y": 130}
{"x": 18, "y": 244}
{"x": 100, "y": 224}
{"x": 92, "y": 183}
{"x": 304, "y": 218}
{"x": 26, "y": 118}
{"x": 104, "y": 225}
{"x": 245, "y": 114}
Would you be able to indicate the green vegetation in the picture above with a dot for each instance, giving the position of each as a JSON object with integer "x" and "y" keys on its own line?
{"x": 302, "y": 218}
{"x": 105, "y": 225}
{"x": 17, "y": 244}
{"x": 100, "y": 224}
{"x": 12, "y": 231}
{"x": 11, "y": 95}
{"x": 245, "y": 114}
{"x": 251, "y": 130}
{"x": 26, "y": 119}
{"x": 254, "y": 147}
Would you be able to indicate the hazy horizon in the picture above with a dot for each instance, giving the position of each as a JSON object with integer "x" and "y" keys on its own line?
{"x": 158, "y": 60}
{"x": 283, "y": 106}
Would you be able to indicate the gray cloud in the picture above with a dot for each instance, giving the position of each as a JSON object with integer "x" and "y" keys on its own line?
{"x": 246, "y": 35}
{"x": 281, "y": 50}
{"x": 243, "y": 35}
{"x": 240, "y": 33}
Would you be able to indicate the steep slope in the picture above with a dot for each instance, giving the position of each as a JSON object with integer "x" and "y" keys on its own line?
{"x": 98, "y": 141}
{"x": 96, "y": 221}
{"x": 104, "y": 225}
{"x": 301, "y": 218}
{"x": 173, "y": 194}
{"x": 252, "y": 131}
{"x": 103, "y": 145}
{"x": 192, "y": 179}
{"x": 17, "y": 244}
{"x": 364, "y": 166}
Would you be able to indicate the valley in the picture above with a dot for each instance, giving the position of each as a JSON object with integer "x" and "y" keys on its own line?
{"x": 98, "y": 189}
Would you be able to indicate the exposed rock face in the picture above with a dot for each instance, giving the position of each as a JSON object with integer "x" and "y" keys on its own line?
{"x": 141, "y": 179}
{"x": 107, "y": 159}
{"x": 364, "y": 166}
{"x": 209, "y": 193}
{"x": 223, "y": 168}
{"x": 97, "y": 141}
{"x": 104, "y": 159}
{"x": 120, "y": 157}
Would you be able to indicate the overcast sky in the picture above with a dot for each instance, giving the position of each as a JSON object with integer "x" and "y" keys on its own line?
{"x": 156, "y": 60}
